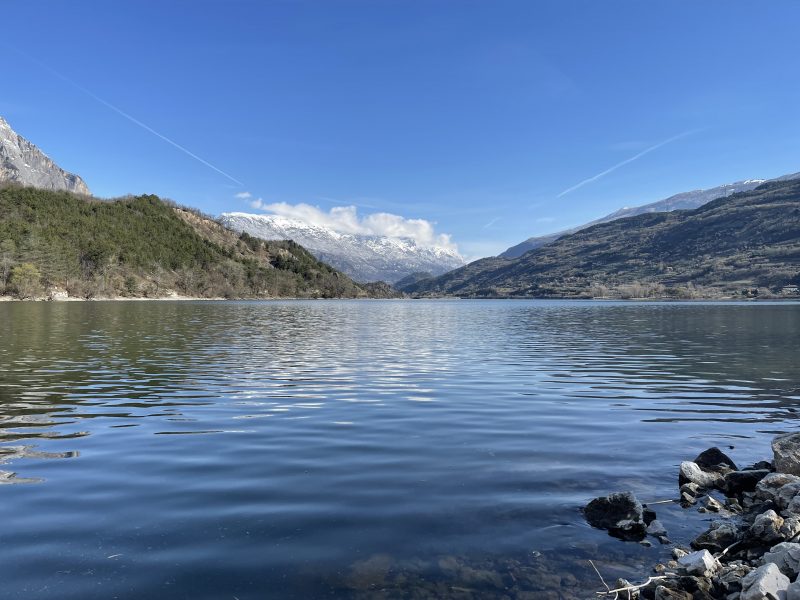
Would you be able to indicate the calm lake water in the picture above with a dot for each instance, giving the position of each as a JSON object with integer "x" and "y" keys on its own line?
{"x": 364, "y": 449}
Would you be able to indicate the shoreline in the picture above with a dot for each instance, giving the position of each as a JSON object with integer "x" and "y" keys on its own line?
{"x": 179, "y": 298}
{"x": 750, "y": 552}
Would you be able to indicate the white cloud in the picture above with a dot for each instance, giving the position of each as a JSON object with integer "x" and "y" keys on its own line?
{"x": 345, "y": 219}
{"x": 258, "y": 204}
{"x": 244, "y": 195}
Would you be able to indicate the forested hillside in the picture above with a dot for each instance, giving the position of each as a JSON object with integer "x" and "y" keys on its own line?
{"x": 142, "y": 246}
{"x": 747, "y": 244}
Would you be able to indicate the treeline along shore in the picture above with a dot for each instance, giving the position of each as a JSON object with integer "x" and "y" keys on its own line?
{"x": 60, "y": 245}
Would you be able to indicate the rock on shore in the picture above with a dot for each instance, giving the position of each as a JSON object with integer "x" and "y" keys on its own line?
{"x": 752, "y": 552}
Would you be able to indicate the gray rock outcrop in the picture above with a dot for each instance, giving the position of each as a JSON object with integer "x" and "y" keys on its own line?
{"x": 23, "y": 163}
{"x": 765, "y": 583}
{"x": 786, "y": 449}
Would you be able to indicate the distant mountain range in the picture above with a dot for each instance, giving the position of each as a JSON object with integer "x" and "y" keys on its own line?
{"x": 747, "y": 243}
{"x": 23, "y": 163}
{"x": 365, "y": 258}
{"x": 682, "y": 201}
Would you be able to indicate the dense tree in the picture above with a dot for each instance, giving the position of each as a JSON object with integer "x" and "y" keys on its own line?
{"x": 26, "y": 281}
{"x": 145, "y": 246}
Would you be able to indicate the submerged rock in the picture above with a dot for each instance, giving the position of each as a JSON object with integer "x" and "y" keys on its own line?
{"x": 765, "y": 583}
{"x": 620, "y": 513}
{"x": 786, "y": 449}
{"x": 656, "y": 528}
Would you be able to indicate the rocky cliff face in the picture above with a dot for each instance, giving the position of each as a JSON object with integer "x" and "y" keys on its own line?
{"x": 365, "y": 258}
{"x": 23, "y": 163}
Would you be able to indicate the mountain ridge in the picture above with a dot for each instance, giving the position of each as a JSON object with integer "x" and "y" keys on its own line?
{"x": 365, "y": 258}
{"x": 746, "y": 243}
{"x": 680, "y": 201}
{"x": 22, "y": 162}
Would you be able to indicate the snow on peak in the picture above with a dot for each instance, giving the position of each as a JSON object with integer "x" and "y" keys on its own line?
{"x": 364, "y": 257}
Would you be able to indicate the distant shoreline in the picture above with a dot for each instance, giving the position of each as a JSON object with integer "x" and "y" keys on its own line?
{"x": 178, "y": 298}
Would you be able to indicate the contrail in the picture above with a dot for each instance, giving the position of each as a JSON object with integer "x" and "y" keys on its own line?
{"x": 626, "y": 161}
{"x": 131, "y": 118}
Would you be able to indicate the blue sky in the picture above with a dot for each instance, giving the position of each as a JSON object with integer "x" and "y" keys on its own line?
{"x": 479, "y": 117}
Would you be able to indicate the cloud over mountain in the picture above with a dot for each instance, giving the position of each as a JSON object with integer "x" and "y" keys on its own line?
{"x": 345, "y": 219}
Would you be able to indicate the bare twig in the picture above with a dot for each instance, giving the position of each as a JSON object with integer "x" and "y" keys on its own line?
{"x": 660, "y": 502}
{"x": 608, "y": 589}
{"x": 631, "y": 588}
{"x": 724, "y": 552}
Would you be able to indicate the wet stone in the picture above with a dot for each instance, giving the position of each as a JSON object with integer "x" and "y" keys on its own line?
{"x": 621, "y": 514}
{"x": 737, "y": 482}
{"x": 690, "y": 472}
{"x": 715, "y": 460}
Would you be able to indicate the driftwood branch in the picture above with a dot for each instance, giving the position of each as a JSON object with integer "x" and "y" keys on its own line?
{"x": 631, "y": 588}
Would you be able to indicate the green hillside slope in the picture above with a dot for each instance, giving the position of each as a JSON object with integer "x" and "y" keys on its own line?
{"x": 745, "y": 244}
{"x": 145, "y": 247}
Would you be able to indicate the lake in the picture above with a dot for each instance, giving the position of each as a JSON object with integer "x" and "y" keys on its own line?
{"x": 365, "y": 449}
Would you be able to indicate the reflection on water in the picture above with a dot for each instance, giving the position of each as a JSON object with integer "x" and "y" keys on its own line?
{"x": 363, "y": 449}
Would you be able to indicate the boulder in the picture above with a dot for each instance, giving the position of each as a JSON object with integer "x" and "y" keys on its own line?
{"x": 700, "y": 563}
{"x": 737, "y": 482}
{"x": 664, "y": 593}
{"x": 717, "y": 537}
{"x": 766, "y": 528}
{"x": 730, "y": 580}
{"x": 768, "y": 487}
{"x": 786, "y": 556}
{"x": 691, "y": 473}
{"x": 762, "y": 464}
{"x": 786, "y": 449}
{"x": 621, "y": 514}
{"x": 790, "y": 528}
{"x": 765, "y": 583}
{"x": 794, "y": 507}
{"x": 793, "y": 591}
{"x": 715, "y": 460}
{"x": 785, "y": 495}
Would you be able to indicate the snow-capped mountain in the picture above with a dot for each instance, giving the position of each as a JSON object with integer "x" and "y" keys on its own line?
{"x": 365, "y": 258}
{"x": 22, "y": 162}
{"x": 682, "y": 201}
